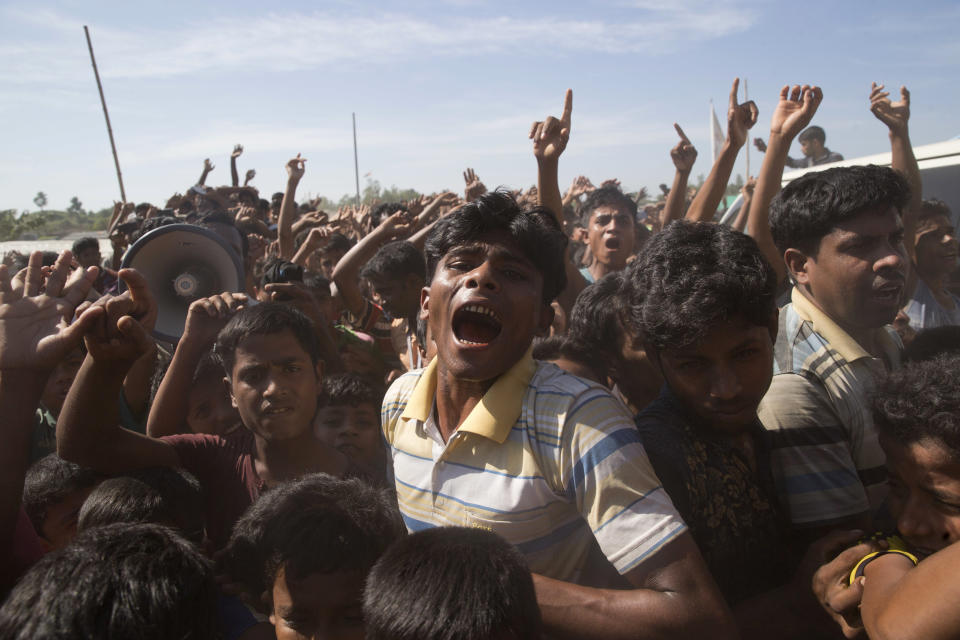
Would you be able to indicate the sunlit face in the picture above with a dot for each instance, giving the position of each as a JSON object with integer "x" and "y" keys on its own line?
{"x": 611, "y": 236}
{"x": 924, "y": 493}
{"x": 723, "y": 377}
{"x": 484, "y": 306}
{"x": 274, "y": 386}
{"x": 859, "y": 270}
{"x": 936, "y": 246}
{"x": 327, "y": 606}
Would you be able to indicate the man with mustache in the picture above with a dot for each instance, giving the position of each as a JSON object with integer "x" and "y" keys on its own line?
{"x": 841, "y": 235}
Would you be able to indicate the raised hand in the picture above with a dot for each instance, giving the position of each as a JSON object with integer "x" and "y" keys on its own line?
{"x": 207, "y": 316}
{"x": 893, "y": 114}
{"x": 122, "y": 333}
{"x": 237, "y": 150}
{"x": 740, "y": 117}
{"x": 580, "y": 186}
{"x": 398, "y": 225}
{"x": 312, "y": 219}
{"x": 207, "y": 165}
{"x": 684, "y": 154}
{"x": 748, "y": 188}
{"x": 610, "y": 182}
{"x": 417, "y": 205}
{"x": 760, "y": 145}
{"x": 31, "y": 308}
{"x": 795, "y": 110}
{"x": 550, "y": 137}
{"x": 251, "y": 173}
{"x": 296, "y": 167}
{"x": 474, "y": 188}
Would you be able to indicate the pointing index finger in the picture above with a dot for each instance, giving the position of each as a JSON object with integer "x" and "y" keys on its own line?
{"x": 733, "y": 92}
{"x": 567, "y": 106}
{"x": 680, "y": 133}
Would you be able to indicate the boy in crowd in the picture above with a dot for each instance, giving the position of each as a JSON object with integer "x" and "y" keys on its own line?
{"x": 307, "y": 546}
{"x": 44, "y": 440}
{"x": 54, "y": 490}
{"x": 475, "y": 585}
{"x": 812, "y": 141}
{"x": 935, "y": 258}
{"x": 608, "y": 216}
{"x": 117, "y": 581}
{"x": 485, "y": 436}
{"x": 349, "y": 420}
{"x": 916, "y": 411}
{"x": 702, "y": 434}
{"x": 270, "y": 357}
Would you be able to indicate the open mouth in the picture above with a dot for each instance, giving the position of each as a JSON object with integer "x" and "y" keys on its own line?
{"x": 275, "y": 411}
{"x": 612, "y": 244}
{"x": 475, "y": 324}
{"x": 888, "y": 293}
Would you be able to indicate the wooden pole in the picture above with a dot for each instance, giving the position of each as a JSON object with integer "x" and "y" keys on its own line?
{"x": 356, "y": 165}
{"x": 113, "y": 147}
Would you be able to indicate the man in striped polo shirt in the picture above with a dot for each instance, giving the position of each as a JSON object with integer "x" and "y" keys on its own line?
{"x": 842, "y": 238}
{"x": 487, "y": 437}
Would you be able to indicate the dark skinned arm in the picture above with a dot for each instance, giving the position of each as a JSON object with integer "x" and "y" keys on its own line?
{"x": 295, "y": 169}
{"x": 234, "y": 176}
{"x": 683, "y": 156}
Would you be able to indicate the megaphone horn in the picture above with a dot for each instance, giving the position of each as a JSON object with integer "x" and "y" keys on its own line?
{"x": 183, "y": 263}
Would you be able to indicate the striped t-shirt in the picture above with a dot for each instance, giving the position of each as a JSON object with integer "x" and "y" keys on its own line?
{"x": 827, "y": 460}
{"x": 547, "y": 460}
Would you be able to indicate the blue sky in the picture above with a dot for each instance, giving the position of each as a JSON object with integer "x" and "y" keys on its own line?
{"x": 437, "y": 87}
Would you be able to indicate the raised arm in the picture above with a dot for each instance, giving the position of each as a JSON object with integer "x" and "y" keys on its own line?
{"x": 747, "y": 192}
{"x": 234, "y": 176}
{"x": 31, "y": 346}
{"x": 207, "y": 168}
{"x": 550, "y": 138}
{"x": 896, "y": 115}
{"x": 683, "y": 156}
{"x": 88, "y": 429}
{"x": 793, "y": 112}
{"x": 740, "y": 119}
{"x": 205, "y": 318}
{"x": 251, "y": 173}
{"x": 346, "y": 275}
{"x": 295, "y": 169}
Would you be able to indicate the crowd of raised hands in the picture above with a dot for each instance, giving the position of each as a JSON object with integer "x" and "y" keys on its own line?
{"x": 363, "y": 316}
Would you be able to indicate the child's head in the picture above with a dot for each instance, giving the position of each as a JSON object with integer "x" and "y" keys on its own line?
{"x": 53, "y": 492}
{"x": 451, "y": 583}
{"x": 117, "y": 581}
{"x": 209, "y": 409}
{"x": 350, "y": 419}
{"x": 395, "y": 274}
{"x": 58, "y": 384}
{"x": 271, "y": 357}
{"x": 571, "y": 356}
{"x": 493, "y": 270}
{"x": 161, "y": 495}
{"x": 608, "y": 216}
{"x": 330, "y": 253}
{"x": 916, "y": 411}
{"x": 308, "y": 545}
{"x": 703, "y": 297}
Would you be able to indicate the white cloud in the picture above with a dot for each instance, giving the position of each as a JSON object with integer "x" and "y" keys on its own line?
{"x": 299, "y": 41}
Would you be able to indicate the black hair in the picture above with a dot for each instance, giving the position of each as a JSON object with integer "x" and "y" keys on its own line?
{"x": 222, "y": 217}
{"x": 609, "y": 196}
{"x": 118, "y": 581}
{"x": 814, "y": 204}
{"x": 812, "y": 133}
{"x": 316, "y": 524}
{"x": 49, "y": 258}
{"x": 316, "y": 280}
{"x": 932, "y": 208}
{"x": 395, "y": 260}
{"x": 48, "y": 481}
{"x": 161, "y": 495}
{"x": 385, "y": 210}
{"x": 596, "y": 320}
{"x": 555, "y": 347}
{"x": 451, "y": 583}
{"x": 350, "y": 389}
{"x": 535, "y": 231}
{"x": 920, "y": 402}
{"x": 336, "y": 242}
{"x": 85, "y": 243}
{"x": 692, "y": 276}
{"x": 266, "y": 318}
{"x": 150, "y": 224}
{"x": 930, "y": 343}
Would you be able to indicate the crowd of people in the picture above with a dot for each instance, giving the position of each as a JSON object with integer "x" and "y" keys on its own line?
{"x": 501, "y": 415}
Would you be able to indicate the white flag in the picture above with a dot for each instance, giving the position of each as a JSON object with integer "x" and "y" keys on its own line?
{"x": 716, "y": 133}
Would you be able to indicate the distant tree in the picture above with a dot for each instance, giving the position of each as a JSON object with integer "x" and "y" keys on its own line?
{"x": 76, "y": 207}
{"x": 40, "y": 200}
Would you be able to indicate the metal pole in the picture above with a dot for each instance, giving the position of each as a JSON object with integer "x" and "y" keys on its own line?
{"x": 746, "y": 98}
{"x": 356, "y": 165}
{"x": 113, "y": 147}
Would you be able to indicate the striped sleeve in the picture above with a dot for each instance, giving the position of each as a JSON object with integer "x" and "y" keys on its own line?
{"x": 814, "y": 468}
{"x": 604, "y": 470}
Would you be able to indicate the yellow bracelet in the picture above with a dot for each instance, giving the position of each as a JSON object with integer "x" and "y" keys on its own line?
{"x": 870, "y": 557}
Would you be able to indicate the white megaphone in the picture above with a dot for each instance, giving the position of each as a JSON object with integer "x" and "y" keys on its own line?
{"x": 182, "y": 263}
